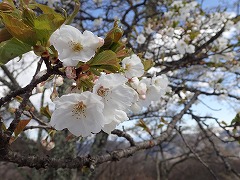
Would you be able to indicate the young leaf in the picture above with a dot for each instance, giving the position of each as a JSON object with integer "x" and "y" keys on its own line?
{"x": 4, "y": 35}
{"x": 28, "y": 17}
{"x": 163, "y": 120}
{"x": 45, "y": 25}
{"x": 236, "y": 119}
{"x": 6, "y": 7}
{"x": 18, "y": 29}
{"x": 45, "y": 9}
{"x": 224, "y": 123}
{"x": 147, "y": 64}
{"x": 95, "y": 71}
{"x": 160, "y": 126}
{"x": 105, "y": 58}
{"x": 46, "y": 112}
{"x": 108, "y": 68}
{"x": 3, "y": 127}
{"x": 55, "y": 18}
{"x": 30, "y": 28}
{"x": 12, "y": 48}
{"x": 114, "y": 35}
{"x": 21, "y": 125}
{"x": 144, "y": 126}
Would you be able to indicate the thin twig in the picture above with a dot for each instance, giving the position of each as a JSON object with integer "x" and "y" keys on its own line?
{"x": 226, "y": 163}
{"x": 38, "y": 127}
{"x": 196, "y": 155}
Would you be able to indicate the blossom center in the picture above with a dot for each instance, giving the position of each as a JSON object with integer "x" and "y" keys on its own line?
{"x": 102, "y": 91}
{"x": 128, "y": 66}
{"x": 76, "y": 46}
{"x": 79, "y": 109}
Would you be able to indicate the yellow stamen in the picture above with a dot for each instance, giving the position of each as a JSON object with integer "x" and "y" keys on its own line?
{"x": 79, "y": 109}
{"x": 76, "y": 47}
{"x": 102, "y": 91}
{"x": 128, "y": 66}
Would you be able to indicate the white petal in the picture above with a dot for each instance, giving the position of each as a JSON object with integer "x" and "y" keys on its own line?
{"x": 117, "y": 117}
{"x": 91, "y": 40}
{"x": 79, "y": 122}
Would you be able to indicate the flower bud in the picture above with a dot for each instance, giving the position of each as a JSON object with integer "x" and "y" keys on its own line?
{"x": 134, "y": 82}
{"x": 142, "y": 88}
{"x": 47, "y": 145}
{"x": 59, "y": 81}
{"x": 70, "y": 72}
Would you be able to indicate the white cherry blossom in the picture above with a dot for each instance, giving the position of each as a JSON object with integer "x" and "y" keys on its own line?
{"x": 74, "y": 46}
{"x": 149, "y": 90}
{"x": 133, "y": 66}
{"x": 183, "y": 47}
{"x": 81, "y": 114}
{"x": 116, "y": 95}
{"x": 141, "y": 39}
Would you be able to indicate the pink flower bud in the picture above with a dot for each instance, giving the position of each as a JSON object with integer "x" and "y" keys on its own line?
{"x": 134, "y": 82}
{"x": 142, "y": 96}
{"x": 142, "y": 88}
{"x": 70, "y": 72}
{"x": 47, "y": 145}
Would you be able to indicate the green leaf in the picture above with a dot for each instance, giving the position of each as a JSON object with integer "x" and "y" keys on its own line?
{"x": 175, "y": 24}
{"x": 107, "y": 57}
{"x": 108, "y": 68}
{"x": 160, "y": 126}
{"x": 114, "y": 35}
{"x": 117, "y": 47}
{"x": 7, "y": 6}
{"x": 234, "y": 131}
{"x": 3, "y": 127}
{"x": 28, "y": 17}
{"x": 9, "y": 2}
{"x": 106, "y": 60}
{"x": 163, "y": 120}
{"x": 18, "y": 29}
{"x": 4, "y": 35}
{"x": 236, "y": 119}
{"x": 74, "y": 13}
{"x": 95, "y": 71}
{"x": 142, "y": 124}
{"x": 45, "y": 25}
{"x": 147, "y": 64}
{"x": 45, "y": 9}
{"x": 194, "y": 34}
{"x": 30, "y": 28}
{"x": 46, "y": 112}
{"x": 12, "y": 48}
{"x": 224, "y": 123}
{"x": 87, "y": 83}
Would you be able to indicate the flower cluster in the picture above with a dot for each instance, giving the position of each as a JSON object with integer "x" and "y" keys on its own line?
{"x": 108, "y": 97}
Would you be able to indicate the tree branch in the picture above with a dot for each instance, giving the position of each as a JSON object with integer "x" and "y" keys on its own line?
{"x": 79, "y": 162}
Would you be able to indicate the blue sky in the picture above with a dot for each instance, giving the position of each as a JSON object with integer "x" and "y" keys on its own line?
{"x": 213, "y": 3}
